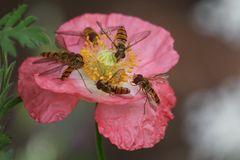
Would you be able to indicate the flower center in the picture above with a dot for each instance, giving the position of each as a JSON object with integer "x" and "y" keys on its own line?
{"x": 100, "y": 63}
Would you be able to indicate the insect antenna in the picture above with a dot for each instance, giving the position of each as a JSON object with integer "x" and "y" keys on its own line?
{"x": 103, "y": 31}
{"x": 84, "y": 82}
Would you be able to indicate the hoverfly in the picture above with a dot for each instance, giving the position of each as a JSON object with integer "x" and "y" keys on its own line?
{"x": 87, "y": 34}
{"x": 121, "y": 38}
{"x": 146, "y": 86}
{"x": 72, "y": 60}
{"x": 106, "y": 86}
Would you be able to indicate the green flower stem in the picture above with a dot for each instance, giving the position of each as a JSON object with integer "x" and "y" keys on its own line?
{"x": 99, "y": 147}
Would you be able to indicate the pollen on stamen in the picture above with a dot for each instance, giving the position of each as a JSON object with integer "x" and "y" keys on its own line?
{"x": 100, "y": 62}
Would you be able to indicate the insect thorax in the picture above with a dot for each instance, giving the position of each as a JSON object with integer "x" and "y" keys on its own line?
{"x": 103, "y": 86}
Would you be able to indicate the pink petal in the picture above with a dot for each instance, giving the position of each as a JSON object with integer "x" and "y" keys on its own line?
{"x": 75, "y": 87}
{"x": 43, "y": 105}
{"x": 156, "y": 51}
{"x": 129, "y": 128}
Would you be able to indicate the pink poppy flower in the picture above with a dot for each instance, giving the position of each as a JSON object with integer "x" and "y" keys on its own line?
{"x": 120, "y": 118}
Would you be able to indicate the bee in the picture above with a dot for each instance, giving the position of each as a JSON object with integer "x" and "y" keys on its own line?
{"x": 121, "y": 39}
{"x": 106, "y": 86}
{"x": 71, "y": 60}
{"x": 146, "y": 86}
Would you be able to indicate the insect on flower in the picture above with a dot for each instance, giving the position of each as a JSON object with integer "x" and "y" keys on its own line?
{"x": 72, "y": 60}
{"x": 146, "y": 86}
{"x": 108, "y": 88}
{"x": 121, "y": 39}
{"x": 87, "y": 35}
{"x": 119, "y": 116}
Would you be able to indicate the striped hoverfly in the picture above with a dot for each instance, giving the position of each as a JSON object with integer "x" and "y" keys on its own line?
{"x": 121, "y": 41}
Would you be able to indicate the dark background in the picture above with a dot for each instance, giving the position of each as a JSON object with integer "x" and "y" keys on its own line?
{"x": 205, "y": 62}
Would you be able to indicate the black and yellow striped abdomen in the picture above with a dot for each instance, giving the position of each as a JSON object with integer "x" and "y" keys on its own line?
{"x": 106, "y": 87}
{"x": 62, "y": 57}
{"x": 91, "y": 35}
{"x": 120, "y": 90}
{"x": 121, "y": 36}
{"x": 146, "y": 86}
{"x": 153, "y": 95}
{"x": 67, "y": 72}
{"x": 71, "y": 60}
{"x": 52, "y": 55}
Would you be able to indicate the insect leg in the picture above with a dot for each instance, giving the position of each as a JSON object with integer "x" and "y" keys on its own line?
{"x": 144, "y": 107}
{"x": 147, "y": 99}
{"x": 84, "y": 82}
{"x": 138, "y": 91}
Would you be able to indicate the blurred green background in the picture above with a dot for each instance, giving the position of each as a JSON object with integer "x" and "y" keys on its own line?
{"x": 208, "y": 57}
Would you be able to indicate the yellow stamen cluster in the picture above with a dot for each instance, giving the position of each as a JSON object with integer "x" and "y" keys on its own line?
{"x": 100, "y": 63}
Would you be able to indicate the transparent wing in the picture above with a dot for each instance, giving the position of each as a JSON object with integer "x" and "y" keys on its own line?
{"x": 43, "y": 60}
{"x": 159, "y": 78}
{"x": 138, "y": 37}
{"x": 109, "y": 30}
{"x": 53, "y": 70}
{"x": 77, "y": 34}
{"x": 117, "y": 76}
{"x": 150, "y": 101}
{"x": 70, "y": 33}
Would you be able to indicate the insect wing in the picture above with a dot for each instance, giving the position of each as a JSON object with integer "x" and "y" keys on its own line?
{"x": 43, "y": 60}
{"x": 159, "y": 78}
{"x": 149, "y": 100}
{"x": 70, "y": 33}
{"x": 138, "y": 37}
{"x": 103, "y": 31}
{"x": 116, "y": 77}
{"x": 109, "y": 30}
{"x": 79, "y": 35}
{"x": 53, "y": 70}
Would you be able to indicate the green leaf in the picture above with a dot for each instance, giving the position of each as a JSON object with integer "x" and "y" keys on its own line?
{"x": 16, "y": 15}
{"x": 10, "y": 103}
{"x": 4, "y": 140}
{"x": 9, "y": 71}
{"x": 3, "y": 95}
{"x": 14, "y": 28}
{"x": 27, "y": 22}
{"x": 5, "y": 86}
{"x": 7, "y": 45}
{"x": 5, "y": 20}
